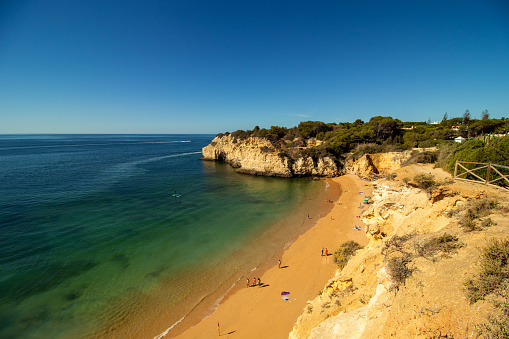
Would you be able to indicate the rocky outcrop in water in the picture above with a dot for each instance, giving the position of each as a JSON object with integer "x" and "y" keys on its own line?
{"x": 258, "y": 156}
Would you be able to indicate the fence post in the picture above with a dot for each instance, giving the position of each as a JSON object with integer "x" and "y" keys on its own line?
{"x": 488, "y": 174}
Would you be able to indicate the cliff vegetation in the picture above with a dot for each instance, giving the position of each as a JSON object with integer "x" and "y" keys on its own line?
{"x": 315, "y": 148}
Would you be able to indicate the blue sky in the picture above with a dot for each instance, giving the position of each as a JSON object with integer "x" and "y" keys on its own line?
{"x": 216, "y": 66}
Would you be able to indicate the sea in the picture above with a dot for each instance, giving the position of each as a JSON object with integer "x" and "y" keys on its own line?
{"x": 108, "y": 236}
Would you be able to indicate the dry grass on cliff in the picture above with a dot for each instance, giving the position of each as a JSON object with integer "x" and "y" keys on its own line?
{"x": 493, "y": 270}
{"x": 492, "y": 281}
{"x": 474, "y": 211}
{"x": 400, "y": 251}
{"x": 345, "y": 252}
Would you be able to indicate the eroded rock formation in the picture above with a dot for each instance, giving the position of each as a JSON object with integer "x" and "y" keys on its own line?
{"x": 258, "y": 156}
{"x": 379, "y": 163}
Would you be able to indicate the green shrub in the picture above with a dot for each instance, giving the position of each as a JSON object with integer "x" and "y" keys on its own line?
{"x": 344, "y": 252}
{"x": 368, "y": 148}
{"x": 493, "y": 270}
{"x": 495, "y": 150}
{"x": 445, "y": 150}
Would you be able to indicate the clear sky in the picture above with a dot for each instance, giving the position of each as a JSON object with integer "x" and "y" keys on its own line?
{"x": 196, "y": 66}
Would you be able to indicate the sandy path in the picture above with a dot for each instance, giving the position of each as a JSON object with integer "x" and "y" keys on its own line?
{"x": 260, "y": 312}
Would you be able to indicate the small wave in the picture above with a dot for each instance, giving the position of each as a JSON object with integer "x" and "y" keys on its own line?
{"x": 162, "y": 335}
{"x": 213, "y": 309}
{"x": 288, "y": 244}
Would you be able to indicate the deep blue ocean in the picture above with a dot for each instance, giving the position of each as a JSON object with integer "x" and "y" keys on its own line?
{"x": 94, "y": 244}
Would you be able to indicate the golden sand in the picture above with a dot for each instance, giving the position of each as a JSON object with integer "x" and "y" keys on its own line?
{"x": 260, "y": 311}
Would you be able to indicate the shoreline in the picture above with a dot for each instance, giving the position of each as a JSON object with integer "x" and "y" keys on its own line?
{"x": 317, "y": 208}
{"x": 260, "y": 310}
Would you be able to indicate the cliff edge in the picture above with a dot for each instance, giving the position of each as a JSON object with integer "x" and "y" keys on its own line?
{"x": 409, "y": 281}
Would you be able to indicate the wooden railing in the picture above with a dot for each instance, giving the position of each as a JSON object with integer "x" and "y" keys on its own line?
{"x": 487, "y": 173}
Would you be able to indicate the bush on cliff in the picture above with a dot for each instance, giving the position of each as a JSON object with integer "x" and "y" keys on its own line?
{"x": 493, "y": 270}
{"x": 473, "y": 211}
{"x": 345, "y": 252}
{"x": 422, "y": 158}
{"x": 498, "y": 323}
{"x": 425, "y": 181}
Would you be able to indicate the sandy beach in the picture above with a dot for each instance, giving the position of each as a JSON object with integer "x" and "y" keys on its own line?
{"x": 260, "y": 311}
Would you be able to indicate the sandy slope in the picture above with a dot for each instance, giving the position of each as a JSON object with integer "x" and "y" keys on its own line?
{"x": 260, "y": 312}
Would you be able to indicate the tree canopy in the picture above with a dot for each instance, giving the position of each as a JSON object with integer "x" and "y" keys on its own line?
{"x": 381, "y": 132}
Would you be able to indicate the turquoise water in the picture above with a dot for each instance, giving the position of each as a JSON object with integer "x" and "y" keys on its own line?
{"x": 94, "y": 244}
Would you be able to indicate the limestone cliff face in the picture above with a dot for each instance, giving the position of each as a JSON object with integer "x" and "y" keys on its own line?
{"x": 258, "y": 156}
{"x": 364, "y": 300}
{"x": 379, "y": 163}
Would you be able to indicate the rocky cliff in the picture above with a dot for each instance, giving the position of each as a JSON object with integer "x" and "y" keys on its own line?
{"x": 408, "y": 282}
{"x": 258, "y": 156}
{"x": 379, "y": 163}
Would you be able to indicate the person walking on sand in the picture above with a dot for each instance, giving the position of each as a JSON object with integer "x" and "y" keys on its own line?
{"x": 326, "y": 252}
{"x": 322, "y": 251}
{"x": 247, "y": 282}
{"x": 279, "y": 263}
{"x": 254, "y": 282}
{"x": 259, "y": 282}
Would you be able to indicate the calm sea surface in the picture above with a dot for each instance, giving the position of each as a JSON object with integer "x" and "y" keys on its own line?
{"x": 94, "y": 244}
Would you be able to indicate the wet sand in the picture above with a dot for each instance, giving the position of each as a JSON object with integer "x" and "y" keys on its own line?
{"x": 260, "y": 311}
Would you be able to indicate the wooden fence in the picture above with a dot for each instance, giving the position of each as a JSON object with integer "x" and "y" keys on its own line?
{"x": 487, "y": 173}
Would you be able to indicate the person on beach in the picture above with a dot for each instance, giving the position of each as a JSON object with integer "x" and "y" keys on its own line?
{"x": 259, "y": 282}
{"x": 322, "y": 251}
{"x": 247, "y": 282}
{"x": 326, "y": 252}
{"x": 254, "y": 282}
{"x": 279, "y": 263}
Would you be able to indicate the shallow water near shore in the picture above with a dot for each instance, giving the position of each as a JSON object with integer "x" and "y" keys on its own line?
{"x": 94, "y": 244}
